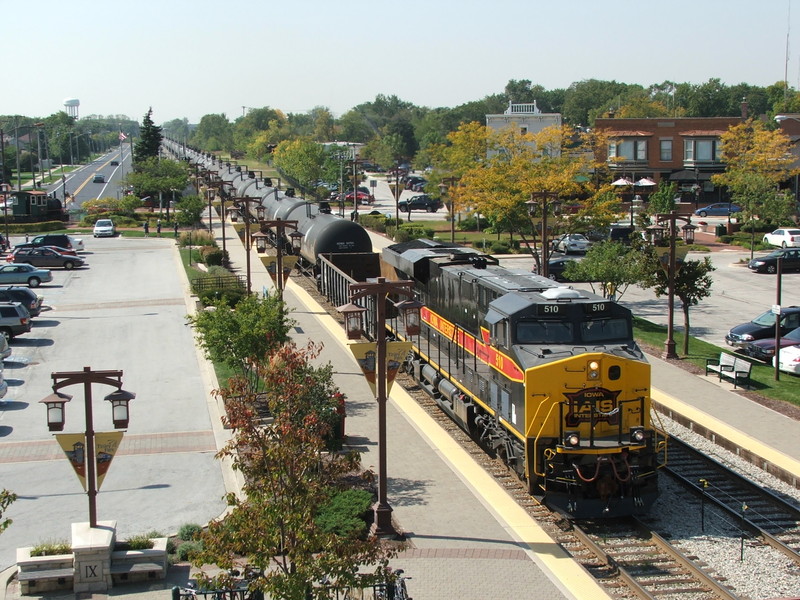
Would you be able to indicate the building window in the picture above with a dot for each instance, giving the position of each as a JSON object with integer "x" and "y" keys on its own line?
{"x": 629, "y": 150}
{"x": 523, "y": 130}
{"x": 702, "y": 150}
{"x": 665, "y": 150}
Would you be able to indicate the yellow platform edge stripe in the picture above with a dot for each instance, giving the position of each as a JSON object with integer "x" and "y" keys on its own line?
{"x": 781, "y": 460}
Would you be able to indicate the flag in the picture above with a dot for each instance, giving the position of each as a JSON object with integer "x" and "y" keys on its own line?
{"x": 122, "y": 136}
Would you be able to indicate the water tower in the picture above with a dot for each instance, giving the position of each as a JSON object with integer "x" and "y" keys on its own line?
{"x": 71, "y": 105}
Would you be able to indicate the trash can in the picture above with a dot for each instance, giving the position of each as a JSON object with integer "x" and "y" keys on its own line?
{"x": 721, "y": 230}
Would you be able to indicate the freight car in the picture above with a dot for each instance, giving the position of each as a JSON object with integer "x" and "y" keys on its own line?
{"x": 544, "y": 376}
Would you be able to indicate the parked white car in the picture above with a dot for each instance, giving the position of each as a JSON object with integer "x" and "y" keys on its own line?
{"x": 790, "y": 360}
{"x": 5, "y": 351}
{"x": 785, "y": 238}
{"x": 104, "y": 228}
{"x": 571, "y": 242}
{"x": 77, "y": 243}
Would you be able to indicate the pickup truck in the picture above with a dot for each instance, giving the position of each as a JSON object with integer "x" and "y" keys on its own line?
{"x": 420, "y": 202}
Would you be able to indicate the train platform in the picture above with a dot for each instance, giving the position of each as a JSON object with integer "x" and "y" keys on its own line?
{"x": 467, "y": 537}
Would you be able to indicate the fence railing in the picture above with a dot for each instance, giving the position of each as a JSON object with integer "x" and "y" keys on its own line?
{"x": 218, "y": 283}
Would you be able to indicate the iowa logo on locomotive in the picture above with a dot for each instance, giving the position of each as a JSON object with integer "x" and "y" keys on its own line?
{"x": 592, "y": 404}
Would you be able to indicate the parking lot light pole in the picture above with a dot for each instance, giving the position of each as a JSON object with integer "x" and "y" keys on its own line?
{"x": 444, "y": 189}
{"x": 544, "y": 201}
{"x": 119, "y": 409}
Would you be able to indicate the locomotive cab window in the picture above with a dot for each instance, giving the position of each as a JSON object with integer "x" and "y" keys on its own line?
{"x": 604, "y": 330}
{"x": 544, "y": 332}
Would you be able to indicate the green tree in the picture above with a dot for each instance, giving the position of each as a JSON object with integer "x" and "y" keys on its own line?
{"x": 757, "y": 160}
{"x": 612, "y": 265}
{"x": 692, "y": 283}
{"x": 243, "y": 338}
{"x": 190, "y": 210}
{"x": 302, "y": 160}
{"x": 663, "y": 199}
{"x": 157, "y": 178}
{"x": 149, "y": 139}
{"x": 288, "y": 478}
{"x": 213, "y": 133}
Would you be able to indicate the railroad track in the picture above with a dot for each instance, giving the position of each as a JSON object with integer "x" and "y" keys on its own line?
{"x": 766, "y": 514}
{"x": 634, "y": 562}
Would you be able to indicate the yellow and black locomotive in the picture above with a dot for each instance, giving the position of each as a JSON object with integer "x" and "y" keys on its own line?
{"x": 546, "y": 376}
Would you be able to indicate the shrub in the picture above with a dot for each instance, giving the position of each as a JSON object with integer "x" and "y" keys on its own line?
{"x": 344, "y": 513}
{"x": 201, "y": 237}
{"x": 140, "y": 542}
{"x": 500, "y": 248}
{"x": 230, "y": 296}
{"x": 187, "y": 549}
{"x": 212, "y": 255}
{"x": 51, "y": 547}
{"x": 190, "y": 531}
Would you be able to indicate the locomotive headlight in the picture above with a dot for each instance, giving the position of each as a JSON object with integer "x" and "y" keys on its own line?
{"x": 594, "y": 370}
{"x": 637, "y": 435}
{"x": 572, "y": 439}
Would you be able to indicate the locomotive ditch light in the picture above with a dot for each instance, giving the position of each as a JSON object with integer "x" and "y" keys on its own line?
{"x": 572, "y": 439}
{"x": 593, "y": 371}
{"x": 637, "y": 435}
{"x": 352, "y": 319}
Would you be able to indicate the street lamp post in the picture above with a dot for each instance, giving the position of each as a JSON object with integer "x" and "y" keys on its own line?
{"x": 670, "y": 220}
{"x": 119, "y": 409}
{"x": 444, "y": 189}
{"x": 396, "y": 193}
{"x": 544, "y": 201}
{"x": 380, "y": 288}
{"x": 243, "y": 204}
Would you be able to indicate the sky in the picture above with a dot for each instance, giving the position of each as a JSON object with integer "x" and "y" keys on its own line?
{"x": 186, "y": 59}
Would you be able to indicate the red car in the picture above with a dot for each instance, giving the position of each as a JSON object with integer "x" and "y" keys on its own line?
{"x": 362, "y": 197}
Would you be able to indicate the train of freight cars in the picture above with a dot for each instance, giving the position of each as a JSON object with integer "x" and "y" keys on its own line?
{"x": 544, "y": 376}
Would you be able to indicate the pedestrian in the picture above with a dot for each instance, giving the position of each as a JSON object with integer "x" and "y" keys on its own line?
{"x": 175, "y": 227}
{"x": 158, "y": 227}
{"x": 146, "y": 229}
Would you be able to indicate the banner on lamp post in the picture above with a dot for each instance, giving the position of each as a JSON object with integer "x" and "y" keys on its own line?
{"x": 106, "y": 445}
{"x": 366, "y": 354}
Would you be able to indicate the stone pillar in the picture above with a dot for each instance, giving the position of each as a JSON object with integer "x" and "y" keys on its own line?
{"x": 92, "y": 549}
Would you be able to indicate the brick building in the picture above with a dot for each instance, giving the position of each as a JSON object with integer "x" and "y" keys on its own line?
{"x": 685, "y": 150}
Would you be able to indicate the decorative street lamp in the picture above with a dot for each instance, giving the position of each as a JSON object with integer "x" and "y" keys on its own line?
{"x": 244, "y": 203}
{"x": 394, "y": 177}
{"x": 119, "y": 410}
{"x": 671, "y": 229}
{"x": 544, "y": 201}
{"x": 380, "y": 288}
{"x": 280, "y": 228}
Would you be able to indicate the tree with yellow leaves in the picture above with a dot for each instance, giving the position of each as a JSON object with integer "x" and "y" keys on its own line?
{"x": 757, "y": 160}
{"x": 499, "y": 171}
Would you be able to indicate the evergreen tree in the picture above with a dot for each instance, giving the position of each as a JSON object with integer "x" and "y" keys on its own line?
{"x": 149, "y": 139}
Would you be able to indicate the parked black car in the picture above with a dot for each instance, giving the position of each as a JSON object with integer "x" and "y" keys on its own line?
{"x": 48, "y": 239}
{"x": 25, "y": 296}
{"x": 420, "y": 202}
{"x": 557, "y": 266}
{"x": 765, "y": 349}
{"x": 763, "y": 326}
{"x": 769, "y": 263}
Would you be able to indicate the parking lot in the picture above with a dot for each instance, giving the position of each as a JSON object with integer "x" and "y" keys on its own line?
{"x": 125, "y": 310}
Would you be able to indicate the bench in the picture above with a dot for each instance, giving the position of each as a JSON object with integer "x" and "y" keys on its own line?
{"x": 140, "y": 565}
{"x": 730, "y": 367}
{"x": 43, "y": 580}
